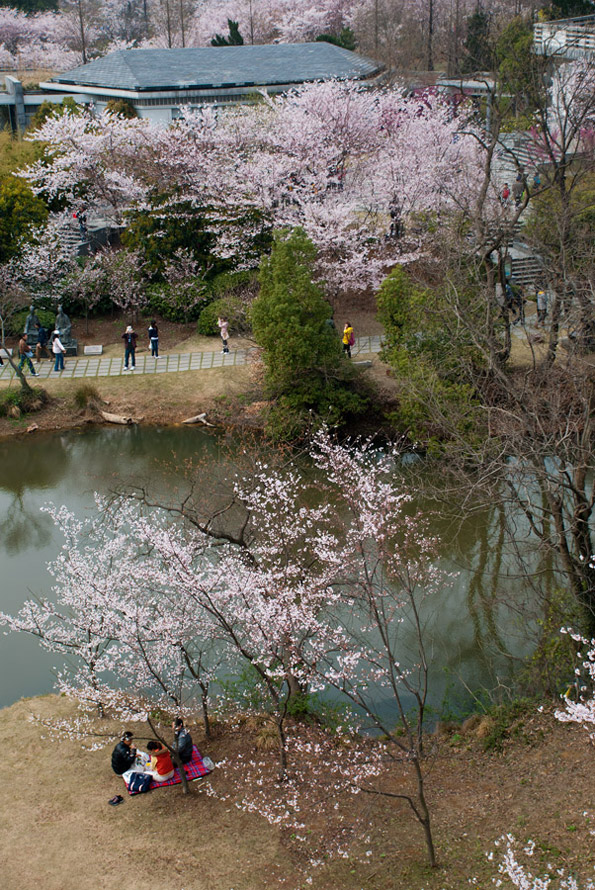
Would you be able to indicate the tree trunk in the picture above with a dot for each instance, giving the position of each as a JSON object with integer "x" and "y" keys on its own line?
{"x": 82, "y": 30}
{"x": 424, "y": 814}
{"x": 18, "y": 371}
{"x": 430, "y": 35}
{"x": 180, "y": 767}
{"x": 282, "y": 775}
{"x": 205, "y": 713}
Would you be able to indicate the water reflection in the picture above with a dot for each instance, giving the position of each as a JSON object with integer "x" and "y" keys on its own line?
{"x": 471, "y": 637}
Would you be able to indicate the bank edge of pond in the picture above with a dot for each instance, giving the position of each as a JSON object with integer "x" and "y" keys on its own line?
{"x": 177, "y": 397}
{"x": 230, "y": 398}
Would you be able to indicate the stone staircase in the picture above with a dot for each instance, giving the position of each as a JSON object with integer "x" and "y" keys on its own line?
{"x": 517, "y": 151}
{"x": 527, "y": 269}
{"x": 71, "y": 239}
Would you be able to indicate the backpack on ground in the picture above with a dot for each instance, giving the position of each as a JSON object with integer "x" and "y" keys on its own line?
{"x": 139, "y": 783}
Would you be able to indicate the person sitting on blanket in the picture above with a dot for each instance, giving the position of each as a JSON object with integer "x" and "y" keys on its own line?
{"x": 123, "y": 755}
{"x": 126, "y": 759}
{"x": 161, "y": 767}
{"x": 182, "y": 740}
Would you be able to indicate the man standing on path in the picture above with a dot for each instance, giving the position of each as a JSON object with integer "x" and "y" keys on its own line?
{"x": 541, "y": 299}
{"x": 26, "y": 354}
{"x": 348, "y": 338}
{"x": 58, "y": 351}
{"x": 129, "y": 338}
{"x": 42, "y": 339}
{"x": 518, "y": 187}
{"x": 154, "y": 340}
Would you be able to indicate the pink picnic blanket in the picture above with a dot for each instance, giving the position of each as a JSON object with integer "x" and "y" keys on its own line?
{"x": 195, "y": 769}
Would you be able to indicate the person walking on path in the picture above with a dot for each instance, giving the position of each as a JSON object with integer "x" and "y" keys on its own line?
{"x": 59, "y": 351}
{"x": 26, "y": 354}
{"x": 518, "y": 187}
{"x": 42, "y": 339}
{"x": 154, "y": 340}
{"x": 541, "y": 300}
{"x": 129, "y": 338}
{"x": 224, "y": 331}
{"x": 348, "y": 338}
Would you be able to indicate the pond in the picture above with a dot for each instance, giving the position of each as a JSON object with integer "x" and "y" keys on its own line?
{"x": 67, "y": 468}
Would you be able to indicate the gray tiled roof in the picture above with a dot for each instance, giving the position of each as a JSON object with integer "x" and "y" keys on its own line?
{"x": 228, "y": 66}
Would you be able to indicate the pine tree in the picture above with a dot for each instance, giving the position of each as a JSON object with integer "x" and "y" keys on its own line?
{"x": 234, "y": 37}
{"x": 305, "y": 374}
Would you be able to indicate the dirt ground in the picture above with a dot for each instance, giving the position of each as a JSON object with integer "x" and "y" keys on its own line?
{"x": 59, "y": 833}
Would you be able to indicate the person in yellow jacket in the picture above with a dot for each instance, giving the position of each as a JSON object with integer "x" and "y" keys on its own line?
{"x": 348, "y": 339}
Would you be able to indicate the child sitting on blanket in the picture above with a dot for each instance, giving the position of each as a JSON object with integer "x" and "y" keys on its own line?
{"x": 161, "y": 768}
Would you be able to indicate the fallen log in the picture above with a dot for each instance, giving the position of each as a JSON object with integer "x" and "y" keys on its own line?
{"x": 116, "y": 418}
{"x": 199, "y": 418}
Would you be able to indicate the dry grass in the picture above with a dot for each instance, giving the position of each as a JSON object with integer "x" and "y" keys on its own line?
{"x": 58, "y": 832}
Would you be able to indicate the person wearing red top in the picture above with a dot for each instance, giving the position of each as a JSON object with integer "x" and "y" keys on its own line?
{"x": 161, "y": 767}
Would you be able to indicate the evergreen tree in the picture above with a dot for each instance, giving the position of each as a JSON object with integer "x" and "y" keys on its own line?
{"x": 478, "y": 49}
{"x": 21, "y": 212}
{"x": 565, "y": 9}
{"x": 305, "y": 373}
{"x": 234, "y": 37}
{"x": 521, "y": 70}
{"x": 345, "y": 39}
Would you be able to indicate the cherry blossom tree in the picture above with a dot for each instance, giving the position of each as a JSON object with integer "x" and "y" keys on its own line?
{"x": 38, "y": 40}
{"x": 124, "y": 270}
{"x": 94, "y": 156}
{"x": 47, "y": 259}
{"x": 317, "y": 596}
{"x": 87, "y": 284}
{"x": 515, "y": 873}
{"x": 581, "y": 708}
{"x": 332, "y": 158}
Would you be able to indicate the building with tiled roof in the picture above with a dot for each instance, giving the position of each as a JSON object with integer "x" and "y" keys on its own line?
{"x": 158, "y": 82}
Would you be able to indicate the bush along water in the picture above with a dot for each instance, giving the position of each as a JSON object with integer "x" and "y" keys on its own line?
{"x": 15, "y": 402}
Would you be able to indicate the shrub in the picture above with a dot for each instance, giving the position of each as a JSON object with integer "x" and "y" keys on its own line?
{"x": 207, "y": 321}
{"x": 506, "y": 722}
{"x": 122, "y": 107}
{"x": 232, "y": 294}
{"x": 26, "y": 401}
{"x": 178, "y": 304}
{"x": 85, "y": 394}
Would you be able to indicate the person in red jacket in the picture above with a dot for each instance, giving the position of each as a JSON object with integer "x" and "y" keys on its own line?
{"x": 129, "y": 338}
{"x": 161, "y": 767}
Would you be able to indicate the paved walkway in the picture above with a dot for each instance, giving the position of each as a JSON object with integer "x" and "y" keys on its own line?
{"x": 100, "y": 366}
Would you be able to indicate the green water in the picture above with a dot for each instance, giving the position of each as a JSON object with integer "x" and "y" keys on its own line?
{"x": 68, "y": 468}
